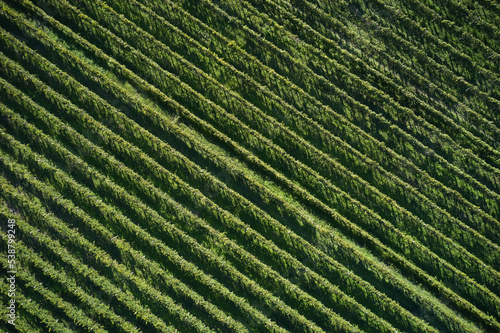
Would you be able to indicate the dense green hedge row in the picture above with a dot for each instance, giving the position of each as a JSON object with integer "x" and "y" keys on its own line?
{"x": 118, "y": 272}
{"x": 454, "y": 34}
{"x": 338, "y": 148}
{"x": 334, "y": 97}
{"x": 234, "y": 105}
{"x": 280, "y": 213}
{"x": 121, "y": 148}
{"x": 466, "y": 94}
{"x": 131, "y": 231}
{"x": 161, "y": 147}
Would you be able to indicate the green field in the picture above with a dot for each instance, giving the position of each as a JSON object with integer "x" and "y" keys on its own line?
{"x": 250, "y": 166}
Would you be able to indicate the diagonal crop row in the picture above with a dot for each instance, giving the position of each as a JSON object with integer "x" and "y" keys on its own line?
{"x": 25, "y": 322}
{"x": 454, "y": 60}
{"x": 94, "y": 227}
{"x": 252, "y": 92}
{"x": 333, "y": 122}
{"x": 365, "y": 93}
{"x": 176, "y": 259}
{"x": 433, "y": 71}
{"x": 331, "y": 50}
{"x": 66, "y": 158}
{"x": 478, "y": 20}
{"x": 43, "y": 318}
{"x": 29, "y": 316}
{"x": 302, "y": 144}
{"x": 258, "y": 258}
{"x": 450, "y": 32}
{"x": 482, "y": 58}
{"x": 332, "y": 94}
{"x": 136, "y": 131}
{"x": 66, "y": 285}
{"x": 493, "y": 9}
{"x": 403, "y": 73}
{"x": 49, "y": 143}
{"x": 269, "y": 273}
{"x": 69, "y": 138}
{"x": 148, "y": 321}
{"x": 447, "y": 191}
{"x": 461, "y": 86}
{"x": 413, "y": 203}
{"x": 106, "y": 263}
{"x": 257, "y": 25}
{"x": 248, "y": 261}
{"x": 144, "y": 315}
{"x": 406, "y": 29}
{"x": 25, "y": 279}
{"x": 163, "y": 149}
{"x": 251, "y": 236}
{"x": 169, "y": 284}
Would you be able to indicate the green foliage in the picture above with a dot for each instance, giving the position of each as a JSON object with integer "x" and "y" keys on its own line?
{"x": 252, "y": 165}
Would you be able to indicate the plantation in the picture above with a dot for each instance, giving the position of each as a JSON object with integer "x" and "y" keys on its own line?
{"x": 250, "y": 166}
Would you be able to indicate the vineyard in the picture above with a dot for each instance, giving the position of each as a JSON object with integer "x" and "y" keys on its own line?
{"x": 250, "y": 166}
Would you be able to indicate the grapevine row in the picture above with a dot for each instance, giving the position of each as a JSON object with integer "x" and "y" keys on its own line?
{"x": 42, "y": 316}
{"x": 66, "y": 285}
{"x": 398, "y": 164}
{"x": 331, "y": 50}
{"x": 357, "y": 157}
{"x": 25, "y": 279}
{"x": 138, "y": 130}
{"x": 434, "y": 72}
{"x": 249, "y": 237}
{"x": 452, "y": 33}
{"x": 378, "y": 100}
{"x": 377, "y": 122}
{"x": 89, "y": 250}
{"x": 248, "y": 261}
{"x": 303, "y": 144}
{"x": 132, "y": 231}
{"x": 391, "y": 17}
